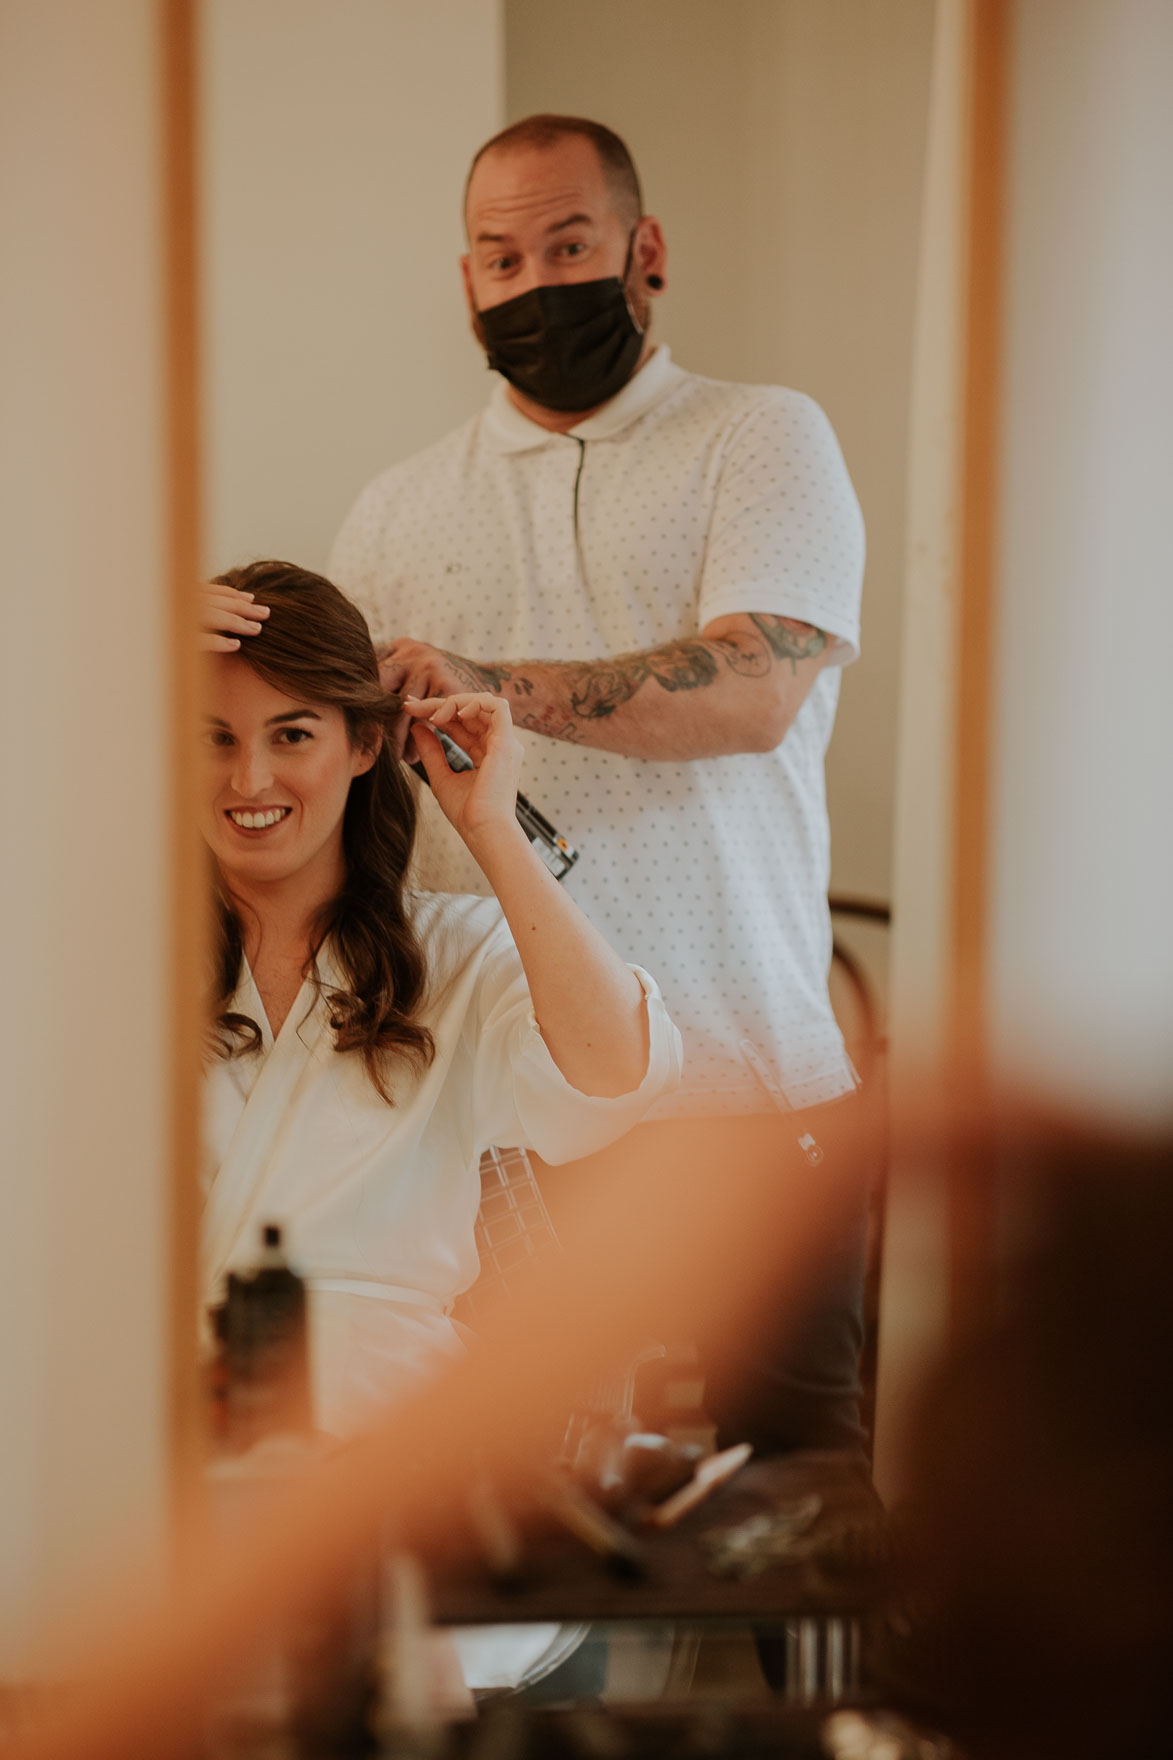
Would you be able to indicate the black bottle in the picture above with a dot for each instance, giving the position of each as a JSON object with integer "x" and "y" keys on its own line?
{"x": 266, "y": 1352}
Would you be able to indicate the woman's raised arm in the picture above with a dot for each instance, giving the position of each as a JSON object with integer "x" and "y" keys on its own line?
{"x": 588, "y": 1004}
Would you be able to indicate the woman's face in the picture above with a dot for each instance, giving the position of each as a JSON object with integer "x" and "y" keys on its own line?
{"x": 277, "y": 773}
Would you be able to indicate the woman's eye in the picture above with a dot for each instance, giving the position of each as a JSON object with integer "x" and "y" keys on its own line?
{"x": 293, "y": 736}
{"x": 217, "y": 736}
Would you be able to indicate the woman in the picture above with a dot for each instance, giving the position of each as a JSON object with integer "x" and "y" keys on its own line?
{"x": 371, "y": 1042}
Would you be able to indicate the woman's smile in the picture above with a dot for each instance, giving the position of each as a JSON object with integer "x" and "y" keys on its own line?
{"x": 257, "y": 818}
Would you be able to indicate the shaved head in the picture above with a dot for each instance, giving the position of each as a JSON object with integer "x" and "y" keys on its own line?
{"x": 544, "y": 130}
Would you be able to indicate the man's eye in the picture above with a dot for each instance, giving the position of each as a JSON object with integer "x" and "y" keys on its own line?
{"x": 573, "y": 247}
{"x": 498, "y": 264}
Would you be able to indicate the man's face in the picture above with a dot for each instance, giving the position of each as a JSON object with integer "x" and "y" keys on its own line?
{"x": 541, "y": 215}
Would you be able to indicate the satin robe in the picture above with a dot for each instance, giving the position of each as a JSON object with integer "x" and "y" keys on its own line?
{"x": 377, "y": 1203}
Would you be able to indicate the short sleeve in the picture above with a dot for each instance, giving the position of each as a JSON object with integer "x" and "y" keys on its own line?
{"x": 520, "y": 1096}
{"x": 786, "y": 536}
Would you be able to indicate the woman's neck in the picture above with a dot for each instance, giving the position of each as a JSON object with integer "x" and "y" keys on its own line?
{"x": 279, "y": 920}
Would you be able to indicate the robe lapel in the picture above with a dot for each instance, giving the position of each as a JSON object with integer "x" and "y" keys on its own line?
{"x": 258, "y": 1143}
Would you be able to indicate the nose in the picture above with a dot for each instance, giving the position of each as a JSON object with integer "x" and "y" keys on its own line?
{"x": 252, "y": 771}
{"x": 539, "y": 268}
{"x": 532, "y": 272}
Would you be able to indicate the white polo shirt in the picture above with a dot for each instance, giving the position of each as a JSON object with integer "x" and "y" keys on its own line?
{"x": 682, "y": 500}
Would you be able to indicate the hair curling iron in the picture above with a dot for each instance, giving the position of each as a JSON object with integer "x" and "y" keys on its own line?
{"x": 554, "y": 850}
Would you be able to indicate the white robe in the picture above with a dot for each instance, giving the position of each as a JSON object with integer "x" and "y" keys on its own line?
{"x": 377, "y": 1203}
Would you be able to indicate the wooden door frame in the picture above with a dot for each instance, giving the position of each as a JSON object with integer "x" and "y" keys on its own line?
{"x": 972, "y": 1220}
{"x": 177, "y": 28}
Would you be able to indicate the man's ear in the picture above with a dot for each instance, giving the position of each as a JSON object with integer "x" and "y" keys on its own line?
{"x": 466, "y": 277}
{"x": 651, "y": 254}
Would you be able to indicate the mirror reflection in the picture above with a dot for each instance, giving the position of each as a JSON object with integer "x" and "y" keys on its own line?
{"x": 629, "y": 561}
{"x": 357, "y": 1551}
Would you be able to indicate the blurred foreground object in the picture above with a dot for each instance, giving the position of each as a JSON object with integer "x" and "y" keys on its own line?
{"x": 1039, "y": 1619}
{"x": 704, "y": 1261}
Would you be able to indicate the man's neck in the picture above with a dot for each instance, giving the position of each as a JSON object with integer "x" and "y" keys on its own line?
{"x": 560, "y": 421}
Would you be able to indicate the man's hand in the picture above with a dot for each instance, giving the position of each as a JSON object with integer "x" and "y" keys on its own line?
{"x": 415, "y": 669}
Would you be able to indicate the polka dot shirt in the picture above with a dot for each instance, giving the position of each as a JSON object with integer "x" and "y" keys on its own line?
{"x": 684, "y": 499}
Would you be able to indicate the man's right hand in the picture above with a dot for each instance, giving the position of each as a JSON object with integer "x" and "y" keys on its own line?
{"x": 415, "y": 669}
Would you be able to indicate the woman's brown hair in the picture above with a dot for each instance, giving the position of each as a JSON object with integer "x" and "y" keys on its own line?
{"x": 316, "y": 646}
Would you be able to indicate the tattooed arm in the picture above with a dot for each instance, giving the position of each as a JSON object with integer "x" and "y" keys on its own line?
{"x": 734, "y": 688}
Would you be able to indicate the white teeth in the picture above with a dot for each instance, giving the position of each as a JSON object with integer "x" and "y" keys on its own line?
{"x": 258, "y": 821}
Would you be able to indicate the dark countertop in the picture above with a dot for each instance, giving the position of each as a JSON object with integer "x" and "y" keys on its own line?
{"x": 835, "y": 1571}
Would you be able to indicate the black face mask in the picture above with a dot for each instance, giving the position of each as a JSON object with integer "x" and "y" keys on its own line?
{"x": 570, "y": 346}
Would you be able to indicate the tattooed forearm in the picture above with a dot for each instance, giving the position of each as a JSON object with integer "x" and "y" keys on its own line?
{"x": 606, "y": 686}
{"x": 788, "y": 638}
{"x": 602, "y": 688}
{"x": 573, "y": 700}
{"x": 678, "y": 666}
{"x": 745, "y": 654}
{"x": 478, "y": 677}
{"x": 552, "y": 723}
{"x": 684, "y": 666}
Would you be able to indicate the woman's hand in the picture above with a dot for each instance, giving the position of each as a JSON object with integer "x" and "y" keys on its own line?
{"x": 589, "y": 1006}
{"x": 226, "y": 614}
{"x": 481, "y": 802}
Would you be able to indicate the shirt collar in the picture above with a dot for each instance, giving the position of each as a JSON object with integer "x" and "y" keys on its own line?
{"x": 513, "y": 432}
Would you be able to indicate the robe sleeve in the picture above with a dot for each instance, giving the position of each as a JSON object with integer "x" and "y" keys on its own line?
{"x": 521, "y": 1099}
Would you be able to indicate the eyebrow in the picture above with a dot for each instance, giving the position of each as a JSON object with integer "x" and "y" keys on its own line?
{"x": 558, "y": 226}
{"x": 274, "y": 720}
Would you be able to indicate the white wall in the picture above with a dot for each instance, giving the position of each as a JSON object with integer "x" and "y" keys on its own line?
{"x": 1082, "y": 955}
{"x": 83, "y": 882}
{"x": 335, "y": 143}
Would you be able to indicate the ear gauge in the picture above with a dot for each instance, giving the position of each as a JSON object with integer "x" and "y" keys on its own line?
{"x": 655, "y": 282}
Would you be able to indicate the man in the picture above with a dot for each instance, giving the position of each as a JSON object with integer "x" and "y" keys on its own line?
{"x": 662, "y": 574}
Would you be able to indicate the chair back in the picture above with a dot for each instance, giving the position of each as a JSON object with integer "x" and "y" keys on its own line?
{"x": 513, "y": 1228}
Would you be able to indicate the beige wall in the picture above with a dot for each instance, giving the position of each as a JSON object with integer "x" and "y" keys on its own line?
{"x": 83, "y": 886}
{"x": 781, "y": 143}
{"x": 335, "y": 142}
